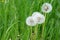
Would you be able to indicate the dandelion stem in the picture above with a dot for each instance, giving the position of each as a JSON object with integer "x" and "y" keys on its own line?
{"x": 36, "y": 29}
{"x": 31, "y": 34}
{"x": 43, "y": 28}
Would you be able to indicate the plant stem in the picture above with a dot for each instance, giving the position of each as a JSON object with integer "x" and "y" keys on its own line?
{"x": 43, "y": 27}
{"x": 36, "y": 30}
{"x": 31, "y": 34}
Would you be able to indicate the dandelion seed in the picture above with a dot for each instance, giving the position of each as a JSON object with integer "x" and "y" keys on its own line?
{"x": 30, "y": 21}
{"x": 38, "y": 17}
{"x": 46, "y": 7}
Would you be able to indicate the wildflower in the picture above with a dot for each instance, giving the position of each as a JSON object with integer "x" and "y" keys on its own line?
{"x": 30, "y": 21}
{"x": 38, "y": 17}
{"x": 46, "y": 7}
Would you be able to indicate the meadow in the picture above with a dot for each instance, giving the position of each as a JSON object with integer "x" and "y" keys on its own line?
{"x": 13, "y": 14}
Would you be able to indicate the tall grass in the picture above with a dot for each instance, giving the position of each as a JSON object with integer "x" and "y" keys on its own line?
{"x": 13, "y": 14}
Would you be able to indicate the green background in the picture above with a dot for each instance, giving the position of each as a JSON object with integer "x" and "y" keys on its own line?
{"x": 13, "y": 14}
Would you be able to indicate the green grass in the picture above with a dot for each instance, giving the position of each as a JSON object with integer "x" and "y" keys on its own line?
{"x": 13, "y": 14}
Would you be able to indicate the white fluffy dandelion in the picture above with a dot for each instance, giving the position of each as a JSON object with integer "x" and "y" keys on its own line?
{"x": 30, "y": 21}
{"x": 38, "y": 17}
{"x": 36, "y": 13}
{"x": 46, "y": 7}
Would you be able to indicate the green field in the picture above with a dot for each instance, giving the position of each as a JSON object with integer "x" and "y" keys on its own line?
{"x": 13, "y": 14}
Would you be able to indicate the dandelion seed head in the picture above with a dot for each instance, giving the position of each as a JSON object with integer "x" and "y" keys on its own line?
{"x": 38, "y": 17}
{"x": 46, "y": 7}
{"x": 30, "y": 21}
{"x": 35, "y": 13}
